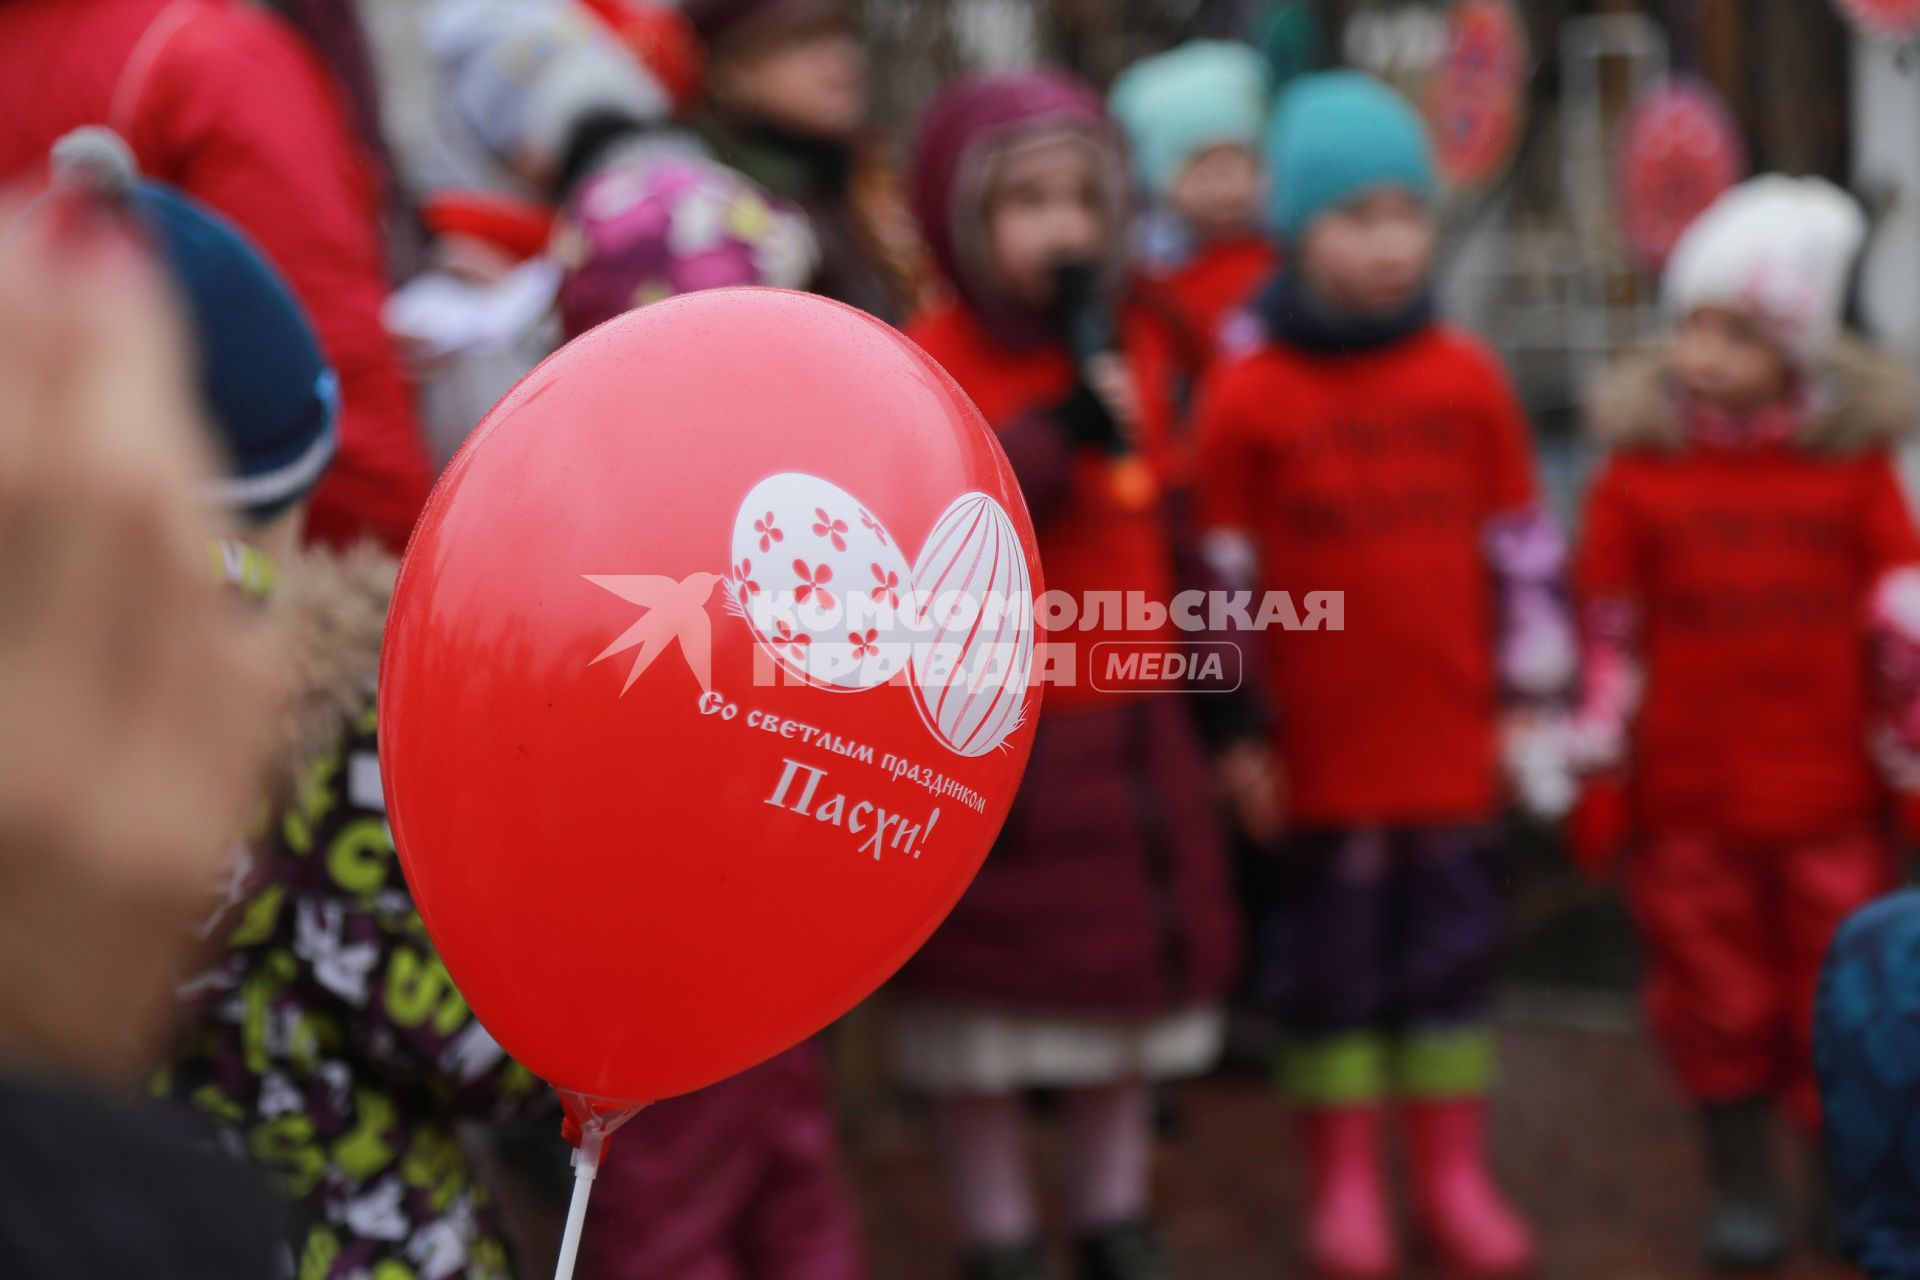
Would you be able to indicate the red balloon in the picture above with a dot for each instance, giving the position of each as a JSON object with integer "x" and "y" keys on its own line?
{"x": 683, "y": 756}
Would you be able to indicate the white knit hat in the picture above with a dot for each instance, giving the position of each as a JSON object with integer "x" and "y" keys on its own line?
{"x": 522, "y": 73}
{"x": 1779, "y": 249}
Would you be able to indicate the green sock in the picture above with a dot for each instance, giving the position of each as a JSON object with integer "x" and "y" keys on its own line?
{"x": 1449, "y": 1062}
{"x": 1335, "y": 1071}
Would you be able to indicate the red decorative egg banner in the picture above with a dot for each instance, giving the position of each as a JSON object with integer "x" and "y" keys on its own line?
{"x": 1679, "y": 150}
{"x": 1475, "y": 100}
{"x": 1884, "y": 19}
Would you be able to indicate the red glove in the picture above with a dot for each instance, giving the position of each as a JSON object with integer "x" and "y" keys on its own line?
{"x": 1598, "y": 827}
{"x": 1906, "y": 816}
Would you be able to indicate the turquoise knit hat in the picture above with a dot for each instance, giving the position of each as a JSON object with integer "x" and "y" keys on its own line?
{"x": 1338, "y": 135}
{"x": 1180, "y": 103}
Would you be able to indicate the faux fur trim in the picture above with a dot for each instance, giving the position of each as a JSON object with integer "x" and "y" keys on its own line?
{"x": 1866, "y": 400}
{"x": 330, "y": 610}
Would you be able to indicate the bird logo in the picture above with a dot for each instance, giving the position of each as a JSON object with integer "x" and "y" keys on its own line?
{"x": 676, "y": 613}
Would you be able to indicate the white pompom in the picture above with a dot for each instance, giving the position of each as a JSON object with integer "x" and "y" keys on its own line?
{"x": 96, "y": 160}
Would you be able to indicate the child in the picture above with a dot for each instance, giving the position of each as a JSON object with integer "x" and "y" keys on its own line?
{"x": 1365, "y": 448}
{"x": 135, "y": 701}
{"x": 741, "y": 1179}
{"x": 325, "y": 1039}
{"x": 1089, "y": 954}
{"x": 1193, "y": 118}
{"x": 787, "y": 106}
{"x": 1870, "y": 1096}
{"x": 1738, "y": 542}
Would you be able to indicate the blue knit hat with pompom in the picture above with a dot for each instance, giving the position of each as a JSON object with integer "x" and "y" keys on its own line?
{"x": 265, "y": 386}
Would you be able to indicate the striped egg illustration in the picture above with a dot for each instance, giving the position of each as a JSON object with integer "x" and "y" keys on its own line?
{"x": 821, "y": 582}
{"x": 973, "y": 627}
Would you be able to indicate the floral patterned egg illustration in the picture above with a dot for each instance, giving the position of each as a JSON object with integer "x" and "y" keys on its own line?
{"x": 822, "y": 583}
{"x": 973, "y": 642}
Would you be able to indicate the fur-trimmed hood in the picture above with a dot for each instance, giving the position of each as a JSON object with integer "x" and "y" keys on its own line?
{"x": 1863, "y": 399}
{"x": 330, "y": 613}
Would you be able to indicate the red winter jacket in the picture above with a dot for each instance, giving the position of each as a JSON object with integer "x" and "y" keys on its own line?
{"x": 1749, "y": 567}
{"x": 226, "y": 103}
{"x": 1106, "y": 893}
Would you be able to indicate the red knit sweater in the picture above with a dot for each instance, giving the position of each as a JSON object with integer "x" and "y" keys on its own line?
{"x": 1373, "y": 474}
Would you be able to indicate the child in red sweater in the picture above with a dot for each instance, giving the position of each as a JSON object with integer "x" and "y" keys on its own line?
{"x": 1362, "y": 447}
{"x": 1740, "y": 543}
{"x": 1193, "y": 117}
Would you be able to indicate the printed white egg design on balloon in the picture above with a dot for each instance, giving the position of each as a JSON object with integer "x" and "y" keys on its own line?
{"x": 973, "y": 642}
{"x": 822, "y": 583}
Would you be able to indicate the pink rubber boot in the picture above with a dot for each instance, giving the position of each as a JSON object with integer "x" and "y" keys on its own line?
{"x": 1349, "y": 1226}
{"x": 1459, "y": 1212}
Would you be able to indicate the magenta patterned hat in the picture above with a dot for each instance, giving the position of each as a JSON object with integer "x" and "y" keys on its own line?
{"x": 653, "y": 226}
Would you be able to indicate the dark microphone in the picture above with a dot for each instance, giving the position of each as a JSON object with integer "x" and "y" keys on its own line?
{"x": 1091, "y": 330}
{"x": 1085, "y": 318}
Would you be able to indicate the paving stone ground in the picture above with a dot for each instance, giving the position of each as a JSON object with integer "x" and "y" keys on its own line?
{"x": 1592, "y": 1142}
